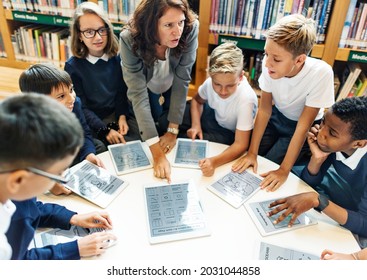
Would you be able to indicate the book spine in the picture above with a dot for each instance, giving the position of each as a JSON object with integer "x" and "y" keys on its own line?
{"x": 347, "y": 23}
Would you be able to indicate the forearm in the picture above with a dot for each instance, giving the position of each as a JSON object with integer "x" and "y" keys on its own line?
{"x": 337, "y": 213}
{"x": 231, "y": 153}
{"x": 196, "y": 110}
{"x": 261, "y": 122}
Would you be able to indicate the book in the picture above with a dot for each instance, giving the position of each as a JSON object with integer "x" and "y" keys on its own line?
{"x": 236, "y": 188}
{"x": 258, "y": 213}
{"x": 363, "y": 89}
{"x": 269, "y": 251}
{"x": 353, "y": 71}
{"x": 174, "y": 212}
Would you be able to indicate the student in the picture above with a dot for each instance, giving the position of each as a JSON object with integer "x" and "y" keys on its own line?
{"x": 330, "y": 255}
{"x": 42, "y": 139}
{"x": 229, "y": 118}
{"x": 158, "y": 50}
{"x": 95, "y": 69}
{"x": 337, "y": 169}
{"x": 300, "y": 87}
{"x": 50, "y": 80}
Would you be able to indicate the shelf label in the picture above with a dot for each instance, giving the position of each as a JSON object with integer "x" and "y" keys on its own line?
{"x": 357, "y": 56}
{"x": 242, "y": 42}
{"x": 41, "y": 18}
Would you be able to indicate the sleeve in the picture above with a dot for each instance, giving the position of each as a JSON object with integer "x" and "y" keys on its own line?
{"x": 121, "y": 101}
{"x": 357, "y": 221}
{"x": 88, "y": 146}
{"x": 133, "y": 73}
{"x": 315, "y": 180}
{"x": 322, "y": 93}
{"x": 94, "y": 122}
{"x": 182, "y": 77}
{"x": 62, "y": 251}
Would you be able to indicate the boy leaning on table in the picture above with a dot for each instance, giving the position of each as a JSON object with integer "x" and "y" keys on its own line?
{"x": 337, "y": 169}
{"x": 41, "y": 139}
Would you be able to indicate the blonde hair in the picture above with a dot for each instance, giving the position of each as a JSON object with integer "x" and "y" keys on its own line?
{"x": 226, "y": 58}
{"x": 78, "y": 48}
{"x": 295, "y": 33}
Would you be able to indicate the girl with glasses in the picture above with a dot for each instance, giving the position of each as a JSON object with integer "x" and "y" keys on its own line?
{"x": 97, "y": 77}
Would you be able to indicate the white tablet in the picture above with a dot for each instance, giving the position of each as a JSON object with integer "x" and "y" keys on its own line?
{"x": 174, "y": 212}
{"x": 130, "y": 157}
{"x": 94, "y": 183}
{"x": 188, "y": 152}
{"x": 56, "y": 235}
{"x": 258, "y": 212}
{"x": 235, "y": 188}
{"x": 269, "y": 251}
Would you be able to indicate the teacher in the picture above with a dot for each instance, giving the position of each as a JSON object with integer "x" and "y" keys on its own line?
{"x": 158, "y": 50}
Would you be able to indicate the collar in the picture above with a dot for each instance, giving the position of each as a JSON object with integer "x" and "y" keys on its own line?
{"x": 93, "y": 59}
{"x": 354, "y": 159}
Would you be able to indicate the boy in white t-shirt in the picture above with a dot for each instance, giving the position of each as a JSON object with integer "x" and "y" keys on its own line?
{"x": 299, "y": 87}
{"x": 232, "y": 105}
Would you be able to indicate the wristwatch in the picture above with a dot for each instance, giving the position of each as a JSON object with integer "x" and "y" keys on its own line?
{"x": 323, "y": 203}
{"x": 173, "y": 130}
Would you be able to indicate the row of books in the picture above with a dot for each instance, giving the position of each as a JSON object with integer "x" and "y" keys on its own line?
{"x": 40, "y": 43}
{"x": 352, "y": 83}
{"x": 354, "y": 33}
{"x": 118, "y": 10}
{"x": 253, "y": 17}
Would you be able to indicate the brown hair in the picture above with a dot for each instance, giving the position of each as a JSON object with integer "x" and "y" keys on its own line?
{"x": 78, "y": 48}
{"x": 144, "y": 26}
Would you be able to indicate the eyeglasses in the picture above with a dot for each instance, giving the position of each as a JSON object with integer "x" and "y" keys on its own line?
{"x": 90, "y": 33}
{"x": 56, "y": 178}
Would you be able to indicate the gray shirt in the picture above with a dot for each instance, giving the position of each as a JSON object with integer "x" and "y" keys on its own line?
{"x": 136, "y": 75}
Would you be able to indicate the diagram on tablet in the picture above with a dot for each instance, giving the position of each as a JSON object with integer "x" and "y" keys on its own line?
{"x": 272, "y": 252}
{"x": 190, "y": 152}
{"x": 258, "y": 212}
{"x": 174, "y": 212}
{"x": 129, "y": 157}
{"x": 235, "y": 188}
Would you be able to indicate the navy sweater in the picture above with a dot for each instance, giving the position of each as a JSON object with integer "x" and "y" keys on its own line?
{"x": 88, "y": 146}
{"x": 32, "y": 214}
{"x": 345, "y": 187}
{"x": 100, "y": 87}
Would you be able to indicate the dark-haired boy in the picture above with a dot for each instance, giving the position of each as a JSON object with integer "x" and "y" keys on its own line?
{"x": 337, "y": 169}
{"x": 46, "y": 78}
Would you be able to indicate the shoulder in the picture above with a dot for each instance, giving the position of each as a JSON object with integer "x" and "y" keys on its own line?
{"x": 317, "y": 64}
{"x": 125, "y": 36}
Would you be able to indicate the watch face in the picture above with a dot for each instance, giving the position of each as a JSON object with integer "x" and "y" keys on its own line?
{"x": 173, "y": 130}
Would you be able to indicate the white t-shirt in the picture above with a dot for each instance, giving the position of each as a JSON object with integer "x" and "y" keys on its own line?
{"x": 236, "y": 112}
{"x": 313, "y": 86}
{"x": 6, "y": 211}
{"x": 162, "y": 75}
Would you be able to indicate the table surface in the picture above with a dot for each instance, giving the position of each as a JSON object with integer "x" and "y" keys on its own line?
{"x": 234, "y": 236}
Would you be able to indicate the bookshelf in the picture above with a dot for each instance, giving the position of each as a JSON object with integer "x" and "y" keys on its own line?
{"x": 328, "y": 51}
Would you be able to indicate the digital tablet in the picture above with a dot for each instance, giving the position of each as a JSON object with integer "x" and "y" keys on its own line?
{"x": 269, "y": 251}
{"x": 258, "y": 212}
{"x": 56, "y": 236}
{"x": 188, "y": 152}
{"x": 235, "y": 188}
{"x": 174, "y": 212}
{"x": 94, "y": 183}
{"x": 130, "y": 157}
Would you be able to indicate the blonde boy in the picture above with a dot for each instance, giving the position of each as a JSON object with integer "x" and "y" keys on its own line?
{"x": 299, "y": 87}
{"x": 232, "y": 104}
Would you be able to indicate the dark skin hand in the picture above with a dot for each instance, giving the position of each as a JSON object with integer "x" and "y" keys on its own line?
{"x": 293, "y": 205}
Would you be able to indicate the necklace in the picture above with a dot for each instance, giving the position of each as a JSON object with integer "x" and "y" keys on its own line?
{"x": 161, "y": 100}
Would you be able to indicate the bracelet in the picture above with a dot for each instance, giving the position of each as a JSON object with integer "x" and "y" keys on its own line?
{"x": 355, "y": 256}
{"x": 102, "y": 132}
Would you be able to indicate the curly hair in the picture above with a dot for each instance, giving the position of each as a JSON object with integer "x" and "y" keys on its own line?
{"x": 354, "y": 111}
{"x": 144, "y": 26}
